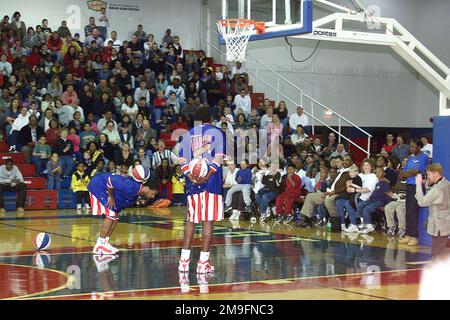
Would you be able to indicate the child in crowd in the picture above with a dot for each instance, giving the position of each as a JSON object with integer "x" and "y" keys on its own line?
{"x": 164, "y": 176}
{"x": 143, "y": 158}
{"x": 99, "y": 169}
{"x": 178, "y": 183}
{"x": 254, "y": 118}
{"x": 76, "y": 122}
{"x": 47, "y": 103}
{"x": 41, "y": 154}
{"x": 112, "y": 168}
{"x": 173, "y": 101}
{"x": 34, "y": 109}
{"x": 87, "y": 135}
{"x": 75, "y": 139}
{"x": 284, "y": 202}
{"x": 228, "y": 115}
{"x": 124, "y": 170}
{"x": 158, "y": 105}
{"x": 54, "y": 173}
{"x": 87, "y": 160}
{"x": 80, "y": 181}
{"x": 244, "y": 183}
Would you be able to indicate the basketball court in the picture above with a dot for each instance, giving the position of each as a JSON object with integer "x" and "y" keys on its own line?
{"x": 266, "y": 262}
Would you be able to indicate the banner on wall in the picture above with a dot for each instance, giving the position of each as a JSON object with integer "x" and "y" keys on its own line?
{"x": 96, "y": 5}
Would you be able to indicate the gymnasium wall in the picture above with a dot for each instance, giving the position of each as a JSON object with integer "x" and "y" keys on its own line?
{"x": 156, "y": 16}
{"x": 370, "y": 85}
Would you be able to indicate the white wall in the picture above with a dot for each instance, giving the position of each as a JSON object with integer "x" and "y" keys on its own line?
{"x": 156, "y": 16}
{"x": 370, "y": 85}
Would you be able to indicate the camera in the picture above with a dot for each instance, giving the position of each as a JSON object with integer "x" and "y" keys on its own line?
{"x": 424, "y": 175}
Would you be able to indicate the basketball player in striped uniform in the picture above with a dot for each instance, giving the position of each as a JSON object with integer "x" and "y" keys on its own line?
{"x": 204, "y": 194}
{"x": 110, "y": 194}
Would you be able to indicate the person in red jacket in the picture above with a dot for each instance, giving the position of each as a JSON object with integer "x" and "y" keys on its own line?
{"x": 285, "y": 201}
{"x": 70, "y": 56}
{"x": 76, "y": 69}
{"x": 33, "y": 58}
{"x": 54, "y": 44}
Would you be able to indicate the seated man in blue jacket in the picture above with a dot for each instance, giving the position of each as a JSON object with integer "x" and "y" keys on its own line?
{"x": 244, "y": 180}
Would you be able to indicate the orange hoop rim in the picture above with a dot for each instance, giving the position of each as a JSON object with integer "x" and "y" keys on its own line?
{"x": 260, "y": 26}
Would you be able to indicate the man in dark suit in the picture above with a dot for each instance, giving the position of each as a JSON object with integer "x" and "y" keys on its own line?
{"x": 144, "y": 135}
{"x": 29, "y": 136}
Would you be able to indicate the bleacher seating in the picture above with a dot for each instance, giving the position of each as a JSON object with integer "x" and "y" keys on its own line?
{"x": 38, "y": 198}
{"x": 4, "y": 146}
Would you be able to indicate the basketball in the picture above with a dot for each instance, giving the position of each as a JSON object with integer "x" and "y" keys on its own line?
{"x": 42, "y": 241}
{"x": 41, "y": 259}
{"x": 140, "y": 173}
{"x": 199, "y": 167}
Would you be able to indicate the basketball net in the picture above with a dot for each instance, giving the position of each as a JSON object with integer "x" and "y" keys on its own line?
{"x": 236, "y": 34}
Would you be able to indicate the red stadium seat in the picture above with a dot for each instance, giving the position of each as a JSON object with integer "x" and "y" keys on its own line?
{"x": 4, "y": 147}
{"x": 27, "y": 170}
{"x": 17, "y": 157}
{"x": 37, "y": 183}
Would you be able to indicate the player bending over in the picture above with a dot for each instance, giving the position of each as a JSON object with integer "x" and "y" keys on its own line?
{"x": 110, "y": 194}
{"x": 204, "y": 194}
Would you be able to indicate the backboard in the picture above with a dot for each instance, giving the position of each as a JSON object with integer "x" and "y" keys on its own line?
{"x": 281, "y": 17}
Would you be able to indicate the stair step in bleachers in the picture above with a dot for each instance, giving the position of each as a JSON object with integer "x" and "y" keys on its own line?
{"x": 36, "y": 183}
{"x": 36, "y": 200}
{"x": 17, "y": 157}
{"x": 4, "y": 146}
{"x": 27, "y": 170}
{"x": 67, "y": 199}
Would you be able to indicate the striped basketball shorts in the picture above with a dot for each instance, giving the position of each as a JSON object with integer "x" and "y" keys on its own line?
{"x": 99, "y": 209}
{"x": 204, "y": 206}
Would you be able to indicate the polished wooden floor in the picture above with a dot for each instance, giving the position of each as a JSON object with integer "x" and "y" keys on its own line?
{"x": 260, "y": 261}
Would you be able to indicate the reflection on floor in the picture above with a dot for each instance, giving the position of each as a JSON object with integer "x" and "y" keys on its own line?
{"x": 252, "y": 261}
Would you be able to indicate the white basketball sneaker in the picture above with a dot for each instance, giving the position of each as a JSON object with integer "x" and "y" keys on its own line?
{"x": 203, "y": 280}
{"x": 183, "y": 265}
{"x": 102, "y": 261}
{"x": 103, "y": 247}
{"x": 184, "y": 281}
{"x": 352, "y": 229}
{"x": 110, "y": 246}
{"x": 204, "y": 267}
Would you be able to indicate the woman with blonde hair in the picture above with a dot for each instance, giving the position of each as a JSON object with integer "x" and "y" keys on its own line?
{"x": 55, "y": 88}
{"x": 369, "y": 181}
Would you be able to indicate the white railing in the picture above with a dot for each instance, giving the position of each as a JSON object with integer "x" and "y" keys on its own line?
{"x": 303, "y": 97}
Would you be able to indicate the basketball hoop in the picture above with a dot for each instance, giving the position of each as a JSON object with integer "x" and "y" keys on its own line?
{"x": 236, "y": 33}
